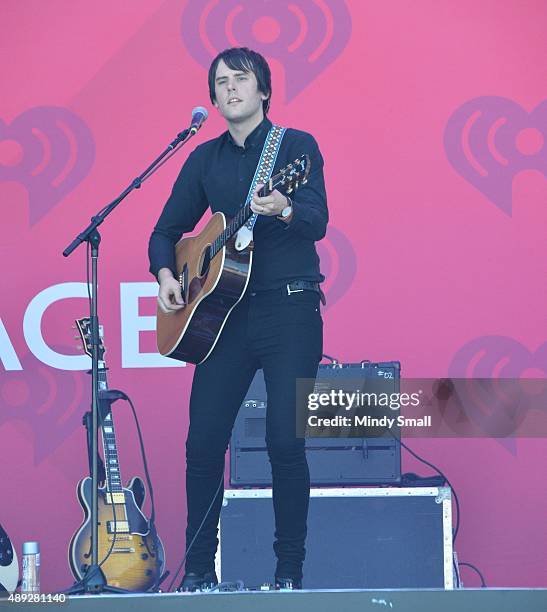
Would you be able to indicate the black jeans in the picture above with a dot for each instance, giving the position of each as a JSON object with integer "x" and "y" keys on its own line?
{"x": 283, "y": 335}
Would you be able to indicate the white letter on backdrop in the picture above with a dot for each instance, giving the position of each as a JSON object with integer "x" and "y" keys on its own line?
{"x": 132, "y": 324}
{"x": 32, "y": 327}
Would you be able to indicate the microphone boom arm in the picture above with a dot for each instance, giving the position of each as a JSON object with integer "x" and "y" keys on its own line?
{"x": 182, "y": 138}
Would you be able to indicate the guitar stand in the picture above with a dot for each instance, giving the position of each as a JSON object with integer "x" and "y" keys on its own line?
{"x": 93, "y": 583}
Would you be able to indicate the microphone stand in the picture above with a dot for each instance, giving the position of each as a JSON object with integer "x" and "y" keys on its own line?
{"x": 94, "y": 580}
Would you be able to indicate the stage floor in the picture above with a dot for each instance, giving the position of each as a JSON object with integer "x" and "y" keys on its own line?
{"x": 434, "y": 600}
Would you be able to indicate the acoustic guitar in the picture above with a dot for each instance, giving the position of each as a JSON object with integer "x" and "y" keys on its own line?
{"x": 136, "y": 557}
{"x": 213, "y": 272}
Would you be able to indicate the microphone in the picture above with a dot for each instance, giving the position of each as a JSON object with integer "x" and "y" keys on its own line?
{"x": 199, "y": 114}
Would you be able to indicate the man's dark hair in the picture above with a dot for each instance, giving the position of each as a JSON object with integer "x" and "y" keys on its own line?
{"x": 242, "y": 58}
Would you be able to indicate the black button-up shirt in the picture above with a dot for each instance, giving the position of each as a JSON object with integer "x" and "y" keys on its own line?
{"x": 219, "y": 173}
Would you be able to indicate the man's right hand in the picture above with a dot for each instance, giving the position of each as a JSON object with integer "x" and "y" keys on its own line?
{"x": 169, "y": 295}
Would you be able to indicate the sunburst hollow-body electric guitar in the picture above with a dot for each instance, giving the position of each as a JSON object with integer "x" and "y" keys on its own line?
{"x": 136, "y": 558}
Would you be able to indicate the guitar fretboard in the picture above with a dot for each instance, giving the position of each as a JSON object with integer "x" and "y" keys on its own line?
{"x": 289, "y": 178}
{"x": 238, "y": 221}
{"x": 110, "y": 450}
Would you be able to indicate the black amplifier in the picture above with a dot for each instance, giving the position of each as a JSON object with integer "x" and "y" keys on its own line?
{"x": 332, "y": 461}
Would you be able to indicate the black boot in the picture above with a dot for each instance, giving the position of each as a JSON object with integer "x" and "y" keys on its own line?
{"x": 288, "y": 583}
{"x": 197, "y": 582}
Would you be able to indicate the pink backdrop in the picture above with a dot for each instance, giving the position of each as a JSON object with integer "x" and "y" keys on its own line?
{"x": 432, "y": 118}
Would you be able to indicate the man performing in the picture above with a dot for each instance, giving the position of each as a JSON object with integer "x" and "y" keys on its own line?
{"x": 277, "y": 325}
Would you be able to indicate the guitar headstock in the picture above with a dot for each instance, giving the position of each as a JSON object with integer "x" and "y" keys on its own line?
{"x": 292, "y": 176}
{"x": 84, "y": 329}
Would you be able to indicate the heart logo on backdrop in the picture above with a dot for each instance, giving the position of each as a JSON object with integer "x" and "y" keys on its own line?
{"x": 338, "y": 264}
{"x": 495, "y": 395}
{"x": 496, "y": 357}
{"x": 305, "y": 36}
{"x": 489, "y": 140}
{"x": 57, "y": 153}
{"x": 51, "y": 402}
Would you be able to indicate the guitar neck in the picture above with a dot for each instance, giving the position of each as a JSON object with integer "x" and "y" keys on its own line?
{"x": 289, "y": 178}
{"x": 111, "y": 463}
{"x": 242, "y": 216}
{"x": 110, "y": 448}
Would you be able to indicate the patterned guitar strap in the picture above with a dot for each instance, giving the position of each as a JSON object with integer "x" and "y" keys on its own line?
{"x": 263, "y": 172}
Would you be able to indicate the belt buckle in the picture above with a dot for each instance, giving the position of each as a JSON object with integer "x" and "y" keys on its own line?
{"x": 290, "y": 291}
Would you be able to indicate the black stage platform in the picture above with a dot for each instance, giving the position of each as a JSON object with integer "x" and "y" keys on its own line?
{"x": 465, "y": 600}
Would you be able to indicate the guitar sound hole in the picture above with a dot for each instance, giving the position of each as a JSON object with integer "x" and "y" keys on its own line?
{"x": 205, "y": 261}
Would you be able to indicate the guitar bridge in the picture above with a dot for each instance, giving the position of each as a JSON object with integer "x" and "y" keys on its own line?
{"x": 121, "y": 537}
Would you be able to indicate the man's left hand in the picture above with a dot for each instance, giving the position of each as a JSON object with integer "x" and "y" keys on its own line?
{"x": 269, "y": 205}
